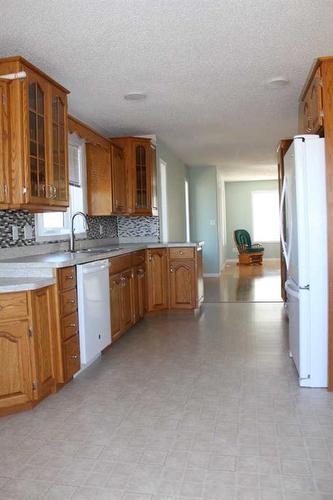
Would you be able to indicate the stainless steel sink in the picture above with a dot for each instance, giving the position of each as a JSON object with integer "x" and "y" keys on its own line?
{"x": 97, "y": 250}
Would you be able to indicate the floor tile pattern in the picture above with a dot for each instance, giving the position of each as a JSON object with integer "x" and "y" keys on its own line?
{"x": 184, "y": 407}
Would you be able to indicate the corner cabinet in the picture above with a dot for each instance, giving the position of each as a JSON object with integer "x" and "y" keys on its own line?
{"x": 37, "y": 107}
{"x": 138, "y": 162}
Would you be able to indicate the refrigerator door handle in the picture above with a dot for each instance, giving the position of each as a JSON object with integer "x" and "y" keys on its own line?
{"x": 282, "y": 201}
{"x": 291, "y": 291}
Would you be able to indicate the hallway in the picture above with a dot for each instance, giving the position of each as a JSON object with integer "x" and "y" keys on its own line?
{"x": 246, "y": 283}
{"x": 185, "y": 406}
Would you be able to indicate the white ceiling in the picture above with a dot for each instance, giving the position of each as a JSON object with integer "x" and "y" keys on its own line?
{"x": 202, "y": 64}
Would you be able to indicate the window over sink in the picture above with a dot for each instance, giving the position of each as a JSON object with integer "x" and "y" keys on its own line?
{"x": 51, "y": 226}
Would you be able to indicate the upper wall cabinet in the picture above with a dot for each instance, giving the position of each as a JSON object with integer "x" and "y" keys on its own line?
{"x": 311, "y": 113}
{"x": 37, "y": 107}
{"x": 139, "y": 164}
{"x": 4, "y": 145}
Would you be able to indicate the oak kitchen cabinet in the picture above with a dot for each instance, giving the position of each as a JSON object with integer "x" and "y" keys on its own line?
{"x": 4, "y": 145}
{"x": 311, "y": 112}
{"x": 119, "y": 181}
{"x": 99, "y": 189}
{"x": 174, "y": 278}
{"x": 27, "y": 371}
{"x": 121, "y": 295}
{"x": 157, "y": 279}
{"x": 138, "y": 155}
{"x": 127, "y": 291}
{"x": 67, "y": 339}
{"x": 38, "y": 139}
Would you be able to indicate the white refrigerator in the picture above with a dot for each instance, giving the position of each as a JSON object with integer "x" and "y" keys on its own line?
{"x": 304, "y": 244}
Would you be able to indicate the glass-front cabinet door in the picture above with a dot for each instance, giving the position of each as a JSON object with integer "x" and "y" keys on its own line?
{"x": 37, "y": 140}
{"x": 142, "y": 187}
{"x": 59, "y": 167}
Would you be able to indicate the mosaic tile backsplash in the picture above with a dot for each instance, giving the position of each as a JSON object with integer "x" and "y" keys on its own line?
{"x": 99, "y": 227}
{"x": 138, "y": 227}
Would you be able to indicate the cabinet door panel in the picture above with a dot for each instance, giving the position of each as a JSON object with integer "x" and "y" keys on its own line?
{"x": 157, "y": 272}
{"x": 126, "y": 299}
{"x": 43, "y": 369}
{"x": 4, "y": 144}
{"x": 119, "y": 181}
{"x": 99, "y": 180}
{"x": 15, "y": 374}
{"x": 182, "y": 285}
{"x": 141, "y": 277}
{"x": 59, "y": 183}
{"x": 142, "y": 178}
{"x": 71, "y": 357}
{"x": 38, "y": 140}
{"x": 115, "y": 306}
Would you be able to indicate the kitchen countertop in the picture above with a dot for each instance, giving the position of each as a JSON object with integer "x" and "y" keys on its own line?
{"x": 64, "y": 259}
{"x": 24, "y": 284}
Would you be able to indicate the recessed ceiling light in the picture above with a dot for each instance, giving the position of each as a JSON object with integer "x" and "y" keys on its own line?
{"x": 278, "y": 82}
{"x": 135, "y": 96}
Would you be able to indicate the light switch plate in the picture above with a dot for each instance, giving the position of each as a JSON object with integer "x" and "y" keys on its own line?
{"x": 15, "y": 234}
{"x": 27, "y": 232}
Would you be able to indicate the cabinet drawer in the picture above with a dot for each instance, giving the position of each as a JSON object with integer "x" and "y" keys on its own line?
{"x": 138, "y": 258}
{"x": 120, "y": 263}
{"x": 71, "y": 357}
{"x": 68, "y": 302}
{"x": 13, "y": 305}
{"x": 181, "y": 253}
{"x": 67, "y": 278}
{"x": 70, "y": 326}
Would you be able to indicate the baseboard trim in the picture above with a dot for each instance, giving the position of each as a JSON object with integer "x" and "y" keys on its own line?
{"x": 212, "y": 275}
{"x": 265, "y": 258}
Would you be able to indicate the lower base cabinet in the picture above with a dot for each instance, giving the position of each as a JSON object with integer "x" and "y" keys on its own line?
{"x": 127, "y": 292}
{"x": 174, "y": 278}
{"x": 68, "y": 341}
{"x": 182, "y": 284}
{"x": 27, "y": 371}
{"x": 157, "y": 279}
{"x": 15, "y": 370}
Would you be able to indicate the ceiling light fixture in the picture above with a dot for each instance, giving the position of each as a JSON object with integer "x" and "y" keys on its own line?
{"x": 278, "y": 82}
{"x": 135, "y": 96}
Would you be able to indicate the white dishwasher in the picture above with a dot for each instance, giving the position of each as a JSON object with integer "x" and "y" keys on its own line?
{"x": 94, "y": 309}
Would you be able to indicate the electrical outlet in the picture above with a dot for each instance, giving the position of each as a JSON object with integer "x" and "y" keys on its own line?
{"x": 212, "y": 222}
{"x": 101, "y": 230}
{"x": 15, "y": 234}
{"x": 27, "y": 232}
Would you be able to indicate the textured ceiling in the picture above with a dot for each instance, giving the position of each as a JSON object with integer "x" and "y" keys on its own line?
{"x": 202, "y": 63}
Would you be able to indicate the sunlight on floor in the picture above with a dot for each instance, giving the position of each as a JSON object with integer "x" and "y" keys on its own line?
{"x": 246, "y": 283}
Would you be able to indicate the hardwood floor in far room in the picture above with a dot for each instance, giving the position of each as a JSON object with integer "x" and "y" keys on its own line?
{"x": 246, "y": 283}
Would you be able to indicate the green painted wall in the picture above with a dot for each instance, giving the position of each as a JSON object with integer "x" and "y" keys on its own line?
{"x": 239, "y": 213}
{"x": 176, "y": 174}
{"x": 203, "y": 212}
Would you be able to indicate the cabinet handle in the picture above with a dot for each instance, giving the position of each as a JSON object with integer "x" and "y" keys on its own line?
{"x": 72, "y": 325}
{"x": 171, "y": 269}
{"x": 69, "y": 277}
{"x": 71, "y": 301}
{"x": 75, "y": 356}
{"x": 181, "y": 252}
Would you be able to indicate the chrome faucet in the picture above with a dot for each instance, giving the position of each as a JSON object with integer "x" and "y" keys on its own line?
{"x": 72, "y": 234}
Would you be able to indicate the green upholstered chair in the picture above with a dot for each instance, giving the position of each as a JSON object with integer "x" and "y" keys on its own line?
{"x": 248, "y": 253}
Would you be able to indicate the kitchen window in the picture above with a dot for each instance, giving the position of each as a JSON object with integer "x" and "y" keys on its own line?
{"x": 52, "y": 226}
{"x": 265, "y": 216}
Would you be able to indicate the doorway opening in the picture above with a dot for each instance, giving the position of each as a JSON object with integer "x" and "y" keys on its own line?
{"x": 252, "y": 206}
{"x": 164, "y": 201}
